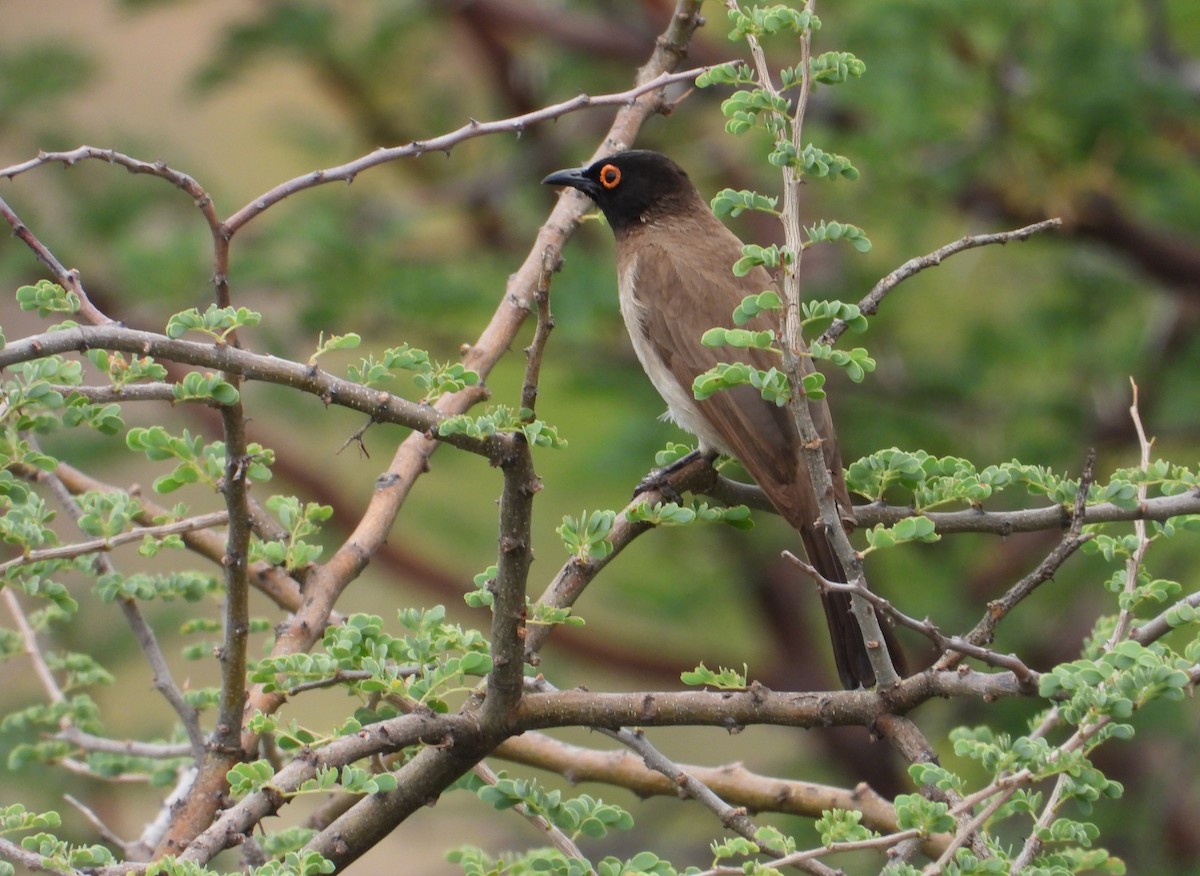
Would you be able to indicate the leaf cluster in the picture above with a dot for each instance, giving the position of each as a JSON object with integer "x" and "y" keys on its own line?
{"x": 198, "y": 462}
{"x": 503, "y": 419}
{"x": 430, "y": 663}
{"x": 433, "y": 379}
{"x": 299, "y": 520}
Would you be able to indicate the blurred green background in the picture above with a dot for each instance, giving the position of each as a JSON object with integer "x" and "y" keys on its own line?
{"x": 973, "y": 116}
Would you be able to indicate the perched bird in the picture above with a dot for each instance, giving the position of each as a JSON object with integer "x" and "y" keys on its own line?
{"x": 674, "y": 260}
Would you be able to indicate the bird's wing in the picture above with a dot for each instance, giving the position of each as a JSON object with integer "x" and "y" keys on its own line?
{"x": 760, "y": 434}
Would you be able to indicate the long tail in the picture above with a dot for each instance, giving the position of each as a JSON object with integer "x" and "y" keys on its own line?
{"x": 849, "y": 650}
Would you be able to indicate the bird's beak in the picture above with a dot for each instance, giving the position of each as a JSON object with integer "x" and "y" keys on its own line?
{"x": 573, "y": 178}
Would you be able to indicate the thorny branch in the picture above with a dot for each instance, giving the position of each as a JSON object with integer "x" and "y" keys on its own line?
{"x": 955, "y": 644}
{"x": 557, "y": 838}
{"x": 998, "y": 609}
{"x": 733, "y": 783}
{"x": 870, "y": 302}
{"x": 163, "y": 681}
{"x": 109, "y": 542}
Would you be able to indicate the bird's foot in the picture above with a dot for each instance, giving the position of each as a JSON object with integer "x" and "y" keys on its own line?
{"x": 659, "y": 479}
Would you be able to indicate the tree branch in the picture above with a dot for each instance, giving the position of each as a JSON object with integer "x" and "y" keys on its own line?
{"x": 732, "y": 782}
{"x": 976, "y": 520}
{"x": 162, "y": 679}
{"x": 557, "y": 838}
{"x": 474, "y": 128}
{"x": 574, "y": 576}
{"x": 108, "y": 543}
{"x": 984, "y": 631}
{"x": 383, "y": 406}
{"x": 68, "y": 279}
{"x": 453, "y": 739}
{"x": 869, "y": 304}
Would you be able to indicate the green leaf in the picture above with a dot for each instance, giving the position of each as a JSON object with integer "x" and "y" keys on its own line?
{"x": 673, "y": 452}
{"x": 205, "y": 387}
{"x": 842, "y": 826}
{"x": 723, "y": 679}
{"x": 760, "y": 20}
{"x": 218, "y": 322}
{"x": 823, "y": 232}
{"x": 914, "y": 812}
{"x": 717, "y": 337}
{"x": 909, "y": 529}
{"x": 753, "y": 305}
{"x": 46, "y": 298}
{"x": 820, "y": 312}
{"x": 587, "y": 536}
{"x": 730, "y": 73}
{"x": 772, "y": 383}
{"x": 729, "y": 202}
{"x": 833, "y": 67}
{"x": 247, "y": 777}
{"x": 349, "y": 341}
{"x": 753, "y": 255}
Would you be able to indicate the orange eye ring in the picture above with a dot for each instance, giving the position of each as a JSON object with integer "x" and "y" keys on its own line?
{"x": 610, "y": 176}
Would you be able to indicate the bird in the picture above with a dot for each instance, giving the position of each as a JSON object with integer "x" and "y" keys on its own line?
{"x": 675, "y": 281}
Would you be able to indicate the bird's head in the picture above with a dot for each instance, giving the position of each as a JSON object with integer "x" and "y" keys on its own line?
{"x": 631, "y": 187}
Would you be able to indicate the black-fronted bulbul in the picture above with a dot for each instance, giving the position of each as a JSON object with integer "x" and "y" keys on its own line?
{"x": 674, "y": 277}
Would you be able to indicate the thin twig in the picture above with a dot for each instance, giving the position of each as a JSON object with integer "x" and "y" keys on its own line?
{"x": 445, "y": 142}
{"x": 273, "y": 581}
{"x": 356, "y": 438}
{"x": 541, "y": 333}
{"x": 108, "y": 543}
{"x": 870, "y": 302}
{"x": 224, "y": 747}
{"x": 978, "y": 520}
{"x": 1121, "y": 630}
{"x": 1026, "y": 676}
{"x": 574, "y": 576}
{"x": 161, "y": 676}
{"x": 1133, "y": 565}
{"x": 128, "y": 747}
{"x": 731, "y": 817}
{"x": 557, "y": 838}
{"x": 32, "y": 649}
{"x": 984, "y": 631}
{"x": 968, "y": 828}
{"x": 733, "y": 783}
{"x": 106, "y": 833}
{"x": 156, "y": 168}
{"x": 68, "y": 279}
{"x": 795, "y": 360}
{"x": 1160, "y": 624}
{"x": 80, "y": 768}
{"x": 383, "y": 406}
{"x": 685, "y": 784}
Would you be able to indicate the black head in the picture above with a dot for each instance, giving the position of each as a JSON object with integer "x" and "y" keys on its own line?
{"x": 632, "y": 187}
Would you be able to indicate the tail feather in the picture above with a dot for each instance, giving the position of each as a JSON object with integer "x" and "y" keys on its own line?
{"x": 849, "y": 649}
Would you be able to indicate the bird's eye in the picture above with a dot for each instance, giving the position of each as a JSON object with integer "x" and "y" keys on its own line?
{"x": 610, "y": 176}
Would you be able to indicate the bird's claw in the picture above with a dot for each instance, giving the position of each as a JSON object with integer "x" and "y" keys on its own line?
{"x": 658, "y": 480}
